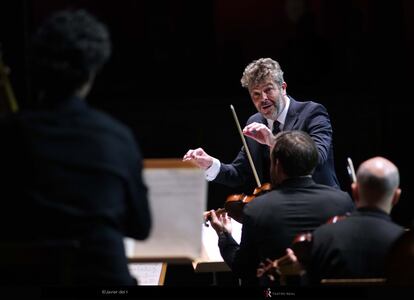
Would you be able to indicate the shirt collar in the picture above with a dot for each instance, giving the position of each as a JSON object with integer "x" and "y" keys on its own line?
{"x": 371, "y": 211}
{"x": 282, "y": 116}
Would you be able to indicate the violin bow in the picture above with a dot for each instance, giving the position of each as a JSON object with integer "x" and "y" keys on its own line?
{"x": 5, "y": 82}
{"x": 351, "y": 170}
{"x": 249, "y": 156}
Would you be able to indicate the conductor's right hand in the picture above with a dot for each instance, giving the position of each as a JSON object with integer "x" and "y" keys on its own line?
{"x": 199, "y": 157}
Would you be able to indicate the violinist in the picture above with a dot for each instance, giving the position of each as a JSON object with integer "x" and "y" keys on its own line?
{"x": 277, "y": 111}
{"x": 356, "y": 246}
{"x": 295, "y": 205}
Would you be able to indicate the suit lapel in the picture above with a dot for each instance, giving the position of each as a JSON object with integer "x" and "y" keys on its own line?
{"x": 263, "y": 120}
{"x": 292, "y": 115}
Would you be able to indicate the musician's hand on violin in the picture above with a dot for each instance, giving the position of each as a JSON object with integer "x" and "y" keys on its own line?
{"x": 284, "y": 266}
{"x": 267, "y": 268}
{"x": 199, "y": 157}
{"x": 289, "y": 264}
{"x": 221, "y": 223}
{"x": 260, "y": 133}
{"x": 206, "y": 215}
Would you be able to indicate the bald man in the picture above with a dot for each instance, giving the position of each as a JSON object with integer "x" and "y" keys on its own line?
{"x": 356, "y": 247}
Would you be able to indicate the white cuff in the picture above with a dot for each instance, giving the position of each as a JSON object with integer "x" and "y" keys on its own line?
{"x": 212, "y": 172}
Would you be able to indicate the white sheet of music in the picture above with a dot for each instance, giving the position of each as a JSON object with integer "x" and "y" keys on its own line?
{"x": 210, "y": 240}
{"x": 178, "y": 198}
{"x": 211, "y": 259}
{"x": 146, "y": 273}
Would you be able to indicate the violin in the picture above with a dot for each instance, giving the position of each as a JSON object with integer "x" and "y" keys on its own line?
{"x": 301, "y": 247}
{"x": 235, "y": 203}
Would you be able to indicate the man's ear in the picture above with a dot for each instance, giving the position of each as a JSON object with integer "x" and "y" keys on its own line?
{"x": 355, "y": 194}
{"x": 284, "y": 86}
{"x": 396, "y": 197}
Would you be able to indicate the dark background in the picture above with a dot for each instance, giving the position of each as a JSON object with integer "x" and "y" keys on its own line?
{"x": 176, "y": 68}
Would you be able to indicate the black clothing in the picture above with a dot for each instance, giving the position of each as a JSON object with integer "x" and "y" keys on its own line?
{"x": 71, "y": 172}
{"x": 309, "y": 117}
{"x": 354, "y": 247}
{"x": 273, "y": 220}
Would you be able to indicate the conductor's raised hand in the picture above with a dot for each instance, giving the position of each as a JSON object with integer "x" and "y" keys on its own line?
{"x": 259, "y": 132}
{"x": 199, "y": 157}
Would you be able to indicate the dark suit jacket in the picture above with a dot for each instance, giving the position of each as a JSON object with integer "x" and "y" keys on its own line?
{"x": 353, "y": 247}
{"x": 74, "y": 173}
{"x": 273, "y": 220}
{"x": 310, "y": 117}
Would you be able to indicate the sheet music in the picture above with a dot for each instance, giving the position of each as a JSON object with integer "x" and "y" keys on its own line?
{"x": 210, "y": 240}
{"x": 146, "y": 273}
{"x": 211, "y": 259}
{"x": 178, "y": 198}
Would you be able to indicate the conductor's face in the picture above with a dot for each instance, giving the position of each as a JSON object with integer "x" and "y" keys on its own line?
{"x": 268, "y": 98}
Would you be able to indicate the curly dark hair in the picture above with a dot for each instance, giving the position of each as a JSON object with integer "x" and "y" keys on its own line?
{"x": 257, "y": 71}
{"x": 67, "y": 49}
{"x": 297, "y": 153}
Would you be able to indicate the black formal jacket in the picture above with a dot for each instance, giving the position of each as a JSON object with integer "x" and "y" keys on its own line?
{"x": 308, "y": 116}
{"x": 273, "y": 220}
{"x": 355, "y": 247}
{"x": 72, "y": 172}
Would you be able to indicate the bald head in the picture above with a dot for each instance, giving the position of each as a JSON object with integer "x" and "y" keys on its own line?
{"x": 377, "y": 182}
